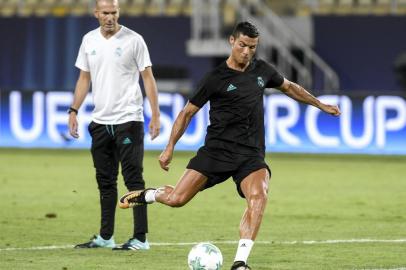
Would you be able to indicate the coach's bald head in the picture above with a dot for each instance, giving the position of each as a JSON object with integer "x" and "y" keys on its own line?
{"x": 107, "y": 12}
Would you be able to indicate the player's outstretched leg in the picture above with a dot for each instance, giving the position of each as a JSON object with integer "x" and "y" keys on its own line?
{"x": 187, "y": 187}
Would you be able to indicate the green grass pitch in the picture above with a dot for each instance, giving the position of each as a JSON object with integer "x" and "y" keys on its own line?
{"x": 312, "y": 198}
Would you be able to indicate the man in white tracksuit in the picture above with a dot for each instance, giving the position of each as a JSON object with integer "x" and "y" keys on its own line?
{"x": 111, "y": 58}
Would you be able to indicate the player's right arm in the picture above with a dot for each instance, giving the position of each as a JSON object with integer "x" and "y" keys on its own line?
{"x": 81, "y": 90}
{"x": 181, "y": 123}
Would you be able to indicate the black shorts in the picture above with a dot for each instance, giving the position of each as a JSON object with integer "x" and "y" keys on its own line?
{"x": 219, "y": 165}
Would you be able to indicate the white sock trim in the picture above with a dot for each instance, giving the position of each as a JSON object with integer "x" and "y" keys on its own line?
{"x": 150, "y": 195}
{"x": 244, "y": 249}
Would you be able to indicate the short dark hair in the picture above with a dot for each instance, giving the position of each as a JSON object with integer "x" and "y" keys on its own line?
{"x": 245, "y": 28}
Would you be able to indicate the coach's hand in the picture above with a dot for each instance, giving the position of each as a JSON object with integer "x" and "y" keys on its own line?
{"x": 73, "y": 125}
{"x": 165, "y": 158}
{"x": 154, "y": 127}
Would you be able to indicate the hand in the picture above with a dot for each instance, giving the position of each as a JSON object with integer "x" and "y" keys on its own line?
{"x": 330, "y": 109}
{"x": 154, "y": 127}
{"x": 165, "y": 158}
{"x": 73, "y": 125}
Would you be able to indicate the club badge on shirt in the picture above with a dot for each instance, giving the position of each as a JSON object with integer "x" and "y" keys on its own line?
{"x": 118, "y": 52}
{"x": 260, "y": 81}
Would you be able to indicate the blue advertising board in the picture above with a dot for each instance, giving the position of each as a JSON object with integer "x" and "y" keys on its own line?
{"x": 368, "y": 125}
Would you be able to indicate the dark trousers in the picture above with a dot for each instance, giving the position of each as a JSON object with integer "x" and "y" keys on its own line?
{"x": 111, "y": 145}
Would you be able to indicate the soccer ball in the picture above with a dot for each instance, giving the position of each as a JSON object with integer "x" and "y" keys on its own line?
{"x": 205, "y": 256}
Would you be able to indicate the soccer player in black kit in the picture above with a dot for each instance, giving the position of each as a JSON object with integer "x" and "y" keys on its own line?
{"x": 235, "y": 141}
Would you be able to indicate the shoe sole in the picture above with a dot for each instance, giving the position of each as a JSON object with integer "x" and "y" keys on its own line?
{"x": 129, "y": 249}
{"x": 125, "y": 201}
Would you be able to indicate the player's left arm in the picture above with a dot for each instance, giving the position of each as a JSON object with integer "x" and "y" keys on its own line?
{"x": 300, "y": 94}
{"x": 152, "y": 96}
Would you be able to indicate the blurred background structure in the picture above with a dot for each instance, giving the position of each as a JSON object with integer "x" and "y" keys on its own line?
{"x": 355, "y": 48}
{"x": 325, "y": 45}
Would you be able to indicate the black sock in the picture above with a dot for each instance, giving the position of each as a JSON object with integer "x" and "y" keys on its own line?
{"x": 141, "y": 237}
{"x": 106, "y": 236}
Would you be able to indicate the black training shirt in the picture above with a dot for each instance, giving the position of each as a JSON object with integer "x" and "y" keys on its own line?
{"x": 236, "y": 106}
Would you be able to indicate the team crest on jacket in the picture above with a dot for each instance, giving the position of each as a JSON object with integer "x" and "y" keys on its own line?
{"x": 260, "y": 81}
{"x": 118, "y": 51}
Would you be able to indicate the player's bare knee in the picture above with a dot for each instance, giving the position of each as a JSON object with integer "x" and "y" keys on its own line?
{"x": 258, "y": 198}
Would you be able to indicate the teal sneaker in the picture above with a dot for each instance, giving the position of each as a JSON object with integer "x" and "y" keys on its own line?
{"x": 133, "y": 244}
{"x": 98, "y": 242}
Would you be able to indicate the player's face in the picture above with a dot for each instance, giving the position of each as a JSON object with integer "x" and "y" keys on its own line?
{"x": 107, "y": 12}
{"x": 243, "y": 48}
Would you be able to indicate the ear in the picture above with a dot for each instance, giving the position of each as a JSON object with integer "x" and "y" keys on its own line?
{"x": 231, "y": 39}
{"x": 96, "y": 13}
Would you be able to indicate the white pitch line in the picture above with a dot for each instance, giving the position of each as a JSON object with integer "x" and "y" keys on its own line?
{"x": 402, "y": 268}
{"x": 37, "y": 248}
{"x": 304, "y": 242}
{"x": 343, "y": 241}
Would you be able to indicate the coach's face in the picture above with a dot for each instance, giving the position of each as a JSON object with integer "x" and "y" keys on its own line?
{"x": 107, "y": 12}
{"x": 243, "y": 48}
